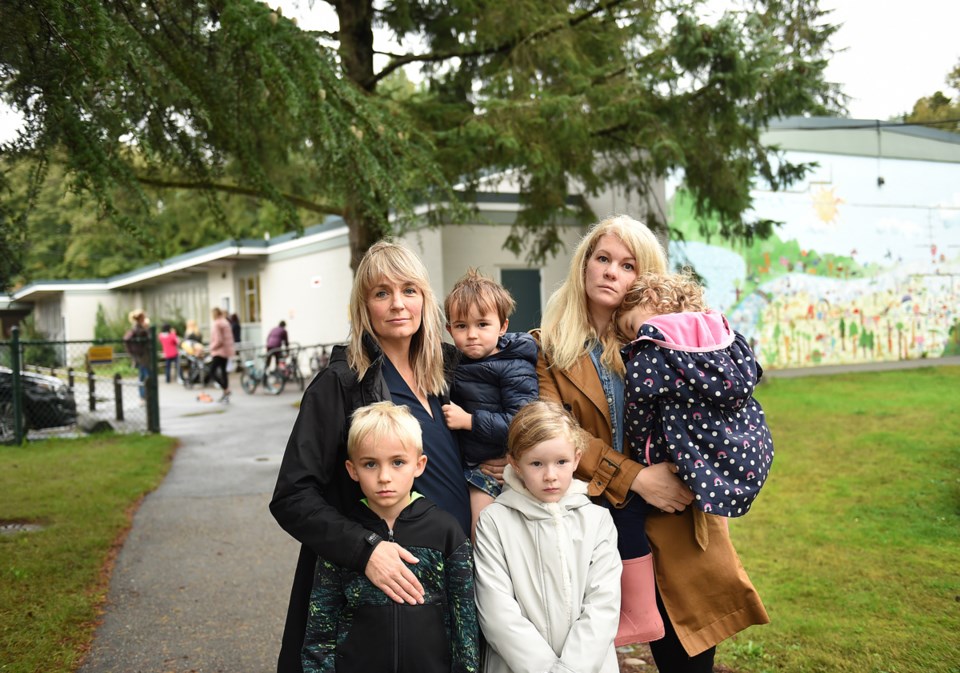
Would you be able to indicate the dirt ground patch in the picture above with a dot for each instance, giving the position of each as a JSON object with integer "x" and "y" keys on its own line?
{"x": 637, "y": 659}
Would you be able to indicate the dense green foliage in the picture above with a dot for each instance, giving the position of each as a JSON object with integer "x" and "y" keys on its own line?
{"x": 81, "y": 491}
{"x": 565, "y": 96}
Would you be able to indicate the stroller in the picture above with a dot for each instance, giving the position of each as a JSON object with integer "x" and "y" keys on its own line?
{"x": 194, "y": 364}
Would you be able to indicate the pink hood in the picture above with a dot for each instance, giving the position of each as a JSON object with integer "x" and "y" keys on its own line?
{"x": 692, "y": 331}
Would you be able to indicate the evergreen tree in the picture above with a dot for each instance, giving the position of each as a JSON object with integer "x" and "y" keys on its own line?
{"x": 579, "y": 95}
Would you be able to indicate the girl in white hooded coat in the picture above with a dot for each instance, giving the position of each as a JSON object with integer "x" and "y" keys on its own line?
{"x": 547, "y": 567}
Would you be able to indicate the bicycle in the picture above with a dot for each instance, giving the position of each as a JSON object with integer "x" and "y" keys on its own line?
{"x": 254, "y": 374}
{"x": 288, "y": 369}
{"x": 273, "y": 380}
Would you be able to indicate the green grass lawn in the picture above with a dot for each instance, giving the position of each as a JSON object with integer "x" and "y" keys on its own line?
{"x": 854, "y": 544}
{"x": 52, "y": 581}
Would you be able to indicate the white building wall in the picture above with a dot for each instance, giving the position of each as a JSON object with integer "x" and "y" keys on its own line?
{"x": 310, "y": 291}
{"x": 429, "y": 246}
{"x": 80, "y": 312}
{"x": 220, "y": 293}
{"x": 481, "y": 246}
{"x": 48, "y": 318}
{"x": 647, "y": 208}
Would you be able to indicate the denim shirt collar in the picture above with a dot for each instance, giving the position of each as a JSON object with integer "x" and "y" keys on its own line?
{"x": 613, "y": 391}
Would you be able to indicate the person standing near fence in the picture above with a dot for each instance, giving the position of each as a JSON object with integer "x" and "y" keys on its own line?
{"x": 222, "y": 349}
{"x": 136, "y": 342}
{"x": 170, "y": 342}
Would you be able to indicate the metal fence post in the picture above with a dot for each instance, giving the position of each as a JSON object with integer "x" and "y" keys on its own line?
{"x": 91, "y": 389}
{"x": 152, "y": 390}
{"x": 118, "y": 394}
{"x": 17, "y": 386}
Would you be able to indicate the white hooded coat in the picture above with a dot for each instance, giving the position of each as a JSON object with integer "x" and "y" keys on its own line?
{"x": 547, "y": 582}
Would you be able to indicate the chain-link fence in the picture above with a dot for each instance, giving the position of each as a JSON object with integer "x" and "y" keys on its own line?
{"x": 67, "y": 388}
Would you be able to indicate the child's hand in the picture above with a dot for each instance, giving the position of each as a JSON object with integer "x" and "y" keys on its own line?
{"x": 456, "y": 417}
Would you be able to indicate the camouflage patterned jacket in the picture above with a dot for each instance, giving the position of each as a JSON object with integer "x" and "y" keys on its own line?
{"x": 352, "y": 627}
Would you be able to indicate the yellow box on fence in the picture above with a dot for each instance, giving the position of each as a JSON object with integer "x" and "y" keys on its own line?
{"x": 100, "y": 354}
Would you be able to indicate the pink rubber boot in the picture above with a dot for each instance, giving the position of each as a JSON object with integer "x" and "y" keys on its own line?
{"x": 640, "y": 620}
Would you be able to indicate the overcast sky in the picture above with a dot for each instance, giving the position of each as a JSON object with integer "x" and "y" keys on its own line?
{"x": 894, "y": 53}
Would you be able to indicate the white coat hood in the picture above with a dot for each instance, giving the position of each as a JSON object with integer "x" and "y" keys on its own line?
{"x": 516, "y": 496}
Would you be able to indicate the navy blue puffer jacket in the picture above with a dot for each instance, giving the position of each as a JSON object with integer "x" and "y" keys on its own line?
{"x": 493, "y": 389}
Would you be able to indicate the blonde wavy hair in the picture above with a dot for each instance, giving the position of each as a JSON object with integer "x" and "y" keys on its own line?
{"x": 380, "y": 420}
{"x": 662, "y": 293}
{"x": 566, "y": 333}
{"x": 395, "y": 263}
{"x": 540, "y": 421}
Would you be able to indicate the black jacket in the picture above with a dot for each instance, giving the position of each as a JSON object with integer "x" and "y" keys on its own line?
{"x": 314, "y": 491}
{"x": 493, "y": 389}
{"x": 354, "y": 627}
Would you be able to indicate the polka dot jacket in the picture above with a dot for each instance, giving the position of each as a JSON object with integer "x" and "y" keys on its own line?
{"x": 689, "y": 399}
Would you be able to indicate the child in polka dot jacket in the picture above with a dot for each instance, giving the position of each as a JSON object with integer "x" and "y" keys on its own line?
{"x": 689, "y": 393}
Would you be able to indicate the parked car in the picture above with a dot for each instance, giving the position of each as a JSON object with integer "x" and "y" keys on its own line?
{"x": 47, "y": 402}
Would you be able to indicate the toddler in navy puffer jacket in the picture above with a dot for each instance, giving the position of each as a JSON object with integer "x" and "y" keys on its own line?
{"x": 495, "y": 378}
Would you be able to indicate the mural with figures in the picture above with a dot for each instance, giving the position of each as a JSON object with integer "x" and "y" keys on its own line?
{"x": 865, "y": 267}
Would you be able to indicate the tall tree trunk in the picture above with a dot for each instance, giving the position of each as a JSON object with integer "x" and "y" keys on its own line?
{"x": 360, "y": 234}
{"x": 356, "y": 55}
{"x": 356, "y": 41}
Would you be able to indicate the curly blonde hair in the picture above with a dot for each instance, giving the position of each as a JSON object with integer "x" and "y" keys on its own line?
{"x": 661, "y": 293}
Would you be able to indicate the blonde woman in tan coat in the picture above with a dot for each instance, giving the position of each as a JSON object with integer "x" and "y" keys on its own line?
{"x": 704, "y": 595}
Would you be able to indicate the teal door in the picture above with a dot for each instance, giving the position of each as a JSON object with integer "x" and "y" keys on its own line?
{"x": 524, "y": 285}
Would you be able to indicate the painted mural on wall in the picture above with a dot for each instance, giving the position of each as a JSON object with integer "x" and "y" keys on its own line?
{"x": 859, "y": 271}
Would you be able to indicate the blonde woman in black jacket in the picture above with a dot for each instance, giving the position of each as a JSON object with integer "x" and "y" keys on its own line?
{"x": 394, "y": 353}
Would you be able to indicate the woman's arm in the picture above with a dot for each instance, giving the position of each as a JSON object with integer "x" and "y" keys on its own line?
{"x": 216, "y": 338}
{"x": 608, "y": 471}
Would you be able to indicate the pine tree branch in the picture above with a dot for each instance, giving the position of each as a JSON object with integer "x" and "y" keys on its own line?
{"x": 297, "y": 201}
{"x": 400, "y": 60}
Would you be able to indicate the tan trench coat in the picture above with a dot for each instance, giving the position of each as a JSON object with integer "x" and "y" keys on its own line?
{"x": 704, "y": 587}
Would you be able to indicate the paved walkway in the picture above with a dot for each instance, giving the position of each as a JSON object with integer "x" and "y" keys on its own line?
{"x": 202, "y": 581}
{"x": 826, "y": 370}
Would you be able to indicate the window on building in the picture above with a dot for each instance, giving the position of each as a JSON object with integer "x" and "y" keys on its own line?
{"x": 250, "y": 299}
